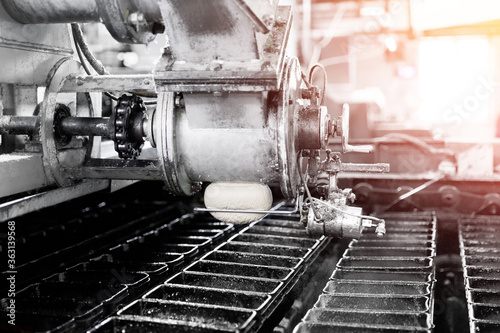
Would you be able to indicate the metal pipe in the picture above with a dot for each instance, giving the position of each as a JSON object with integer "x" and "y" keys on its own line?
{"x": 19, "y": 125}
{"x": 132, "y": 21}
{"x": 52, "y": 11}
{"x": 87, "y": 126}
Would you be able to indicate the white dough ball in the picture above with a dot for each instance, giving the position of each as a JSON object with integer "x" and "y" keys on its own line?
{"x": 238, "y": 195}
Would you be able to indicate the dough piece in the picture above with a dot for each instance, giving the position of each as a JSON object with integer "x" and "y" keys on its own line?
{"x": 238, "y": 195}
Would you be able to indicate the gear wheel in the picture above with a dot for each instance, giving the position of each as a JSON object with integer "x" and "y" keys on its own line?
{"x": 128, "y": 116}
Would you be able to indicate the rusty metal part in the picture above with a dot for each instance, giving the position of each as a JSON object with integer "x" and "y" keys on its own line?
{"x": 139, "y": 83}
{"x": 362, "y": 167}
{"x": 309, "y": 136}
{"x": 381, "y": 287}
{"x": 334, "y": 223}
{"x": 288, "y": 108}
{"x": 215, "y": 68}
{"x": 260, "y": 12}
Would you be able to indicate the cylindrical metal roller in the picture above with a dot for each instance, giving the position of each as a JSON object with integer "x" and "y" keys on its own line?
{"x": 86, "y": 126}
{"x": 60, "y": 11}
{"x": 19, "y": 125}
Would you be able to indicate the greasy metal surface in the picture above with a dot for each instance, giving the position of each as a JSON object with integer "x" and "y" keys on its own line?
{"x": 18, "y": 124}
{"x": 233, "y": 288}
{"x": 263, "y": 72}
{"x": 215, "y": 31}
{"x": 117, "y": 169}
{"x": 84, "y": 294}
{"x": 257, "y": 133}
{"x": 13, "y": 209}
{"x": 479, "y": 248}
{"x": 381, "y": 284}
{"x": 236, "y": 127}
{"x": 54, "y": 157}
{"x": 260, "y": 12}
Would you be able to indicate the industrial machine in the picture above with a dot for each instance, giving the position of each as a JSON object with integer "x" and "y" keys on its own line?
{"x": 225, "y": 119}
{"x": 219, "y": 92}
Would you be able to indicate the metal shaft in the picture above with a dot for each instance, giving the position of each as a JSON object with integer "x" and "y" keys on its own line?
{"x": 86, "y": 126}
{"x": 19, "y": 125}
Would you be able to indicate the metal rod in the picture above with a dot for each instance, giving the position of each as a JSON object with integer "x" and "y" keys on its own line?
{"x": 19, "y": 125}
{"x": 87, "y": 126}
{"x": 118, "y": 169}
{"x": 412, "y": 192}
{"x": 126, "y": 82}
{"x": 362, "y": 167}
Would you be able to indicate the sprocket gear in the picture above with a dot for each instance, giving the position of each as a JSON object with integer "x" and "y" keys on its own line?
{"x": 128, "y": 111}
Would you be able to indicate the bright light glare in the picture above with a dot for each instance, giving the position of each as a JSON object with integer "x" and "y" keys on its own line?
{"x": 453, "y": 79}
{"x": 130, "y": 59}
{"x": 372, "y": 11}
{"x": 391, "y": 44}
{"x": 407, "y": 72}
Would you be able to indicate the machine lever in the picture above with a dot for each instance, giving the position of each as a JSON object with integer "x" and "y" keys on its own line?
{"x": 344, "y": 135}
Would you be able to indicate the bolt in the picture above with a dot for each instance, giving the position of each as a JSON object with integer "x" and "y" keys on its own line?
{"x": 195, "y": 187}
{"x": 79, "y": 82}
{"x": 146, "y": 82}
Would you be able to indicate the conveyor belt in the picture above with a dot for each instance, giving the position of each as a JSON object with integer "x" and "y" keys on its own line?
{"x": 480, "y": 251}
{"x": 381, "y": 284}
{"x": 233, "y": 288}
